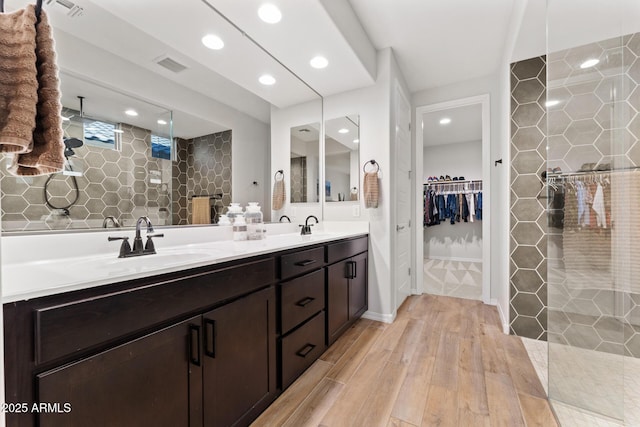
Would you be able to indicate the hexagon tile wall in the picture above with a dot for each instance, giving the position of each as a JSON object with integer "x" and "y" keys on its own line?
{"x": 528, "y": 271}
{"x": 586, "y": 279}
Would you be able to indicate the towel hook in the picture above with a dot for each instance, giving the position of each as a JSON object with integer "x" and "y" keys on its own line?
{"x": 372, "y": 162}
{"x": 278, "y": 172}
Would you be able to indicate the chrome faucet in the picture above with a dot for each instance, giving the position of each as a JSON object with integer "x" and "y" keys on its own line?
{"x": 113, "y": 220}
{"x": 138, "y": 249}
{"x": 284, "y": 216}
{"x": 306, "y": 228}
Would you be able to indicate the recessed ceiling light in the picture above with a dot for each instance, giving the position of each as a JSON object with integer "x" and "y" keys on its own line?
{"x": 355, "y": 141}
{"x": 269, "y": 13}
{"x": 551, "y": 103}
{"x": 589, "y": 63}
{"x": 162, "y": 122}
{"x": 118, "y": 131}
{"x": 319, "y": 62}
{"x": 213, "y": 42}
{"x": 445, "y": 121}
{"x": 267, "y": 79}
{"x": 343, "y": 130}
{"x": 131, "y": 113}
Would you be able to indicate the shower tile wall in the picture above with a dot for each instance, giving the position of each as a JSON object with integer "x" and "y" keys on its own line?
{"x": 114, "y": 183}
{"x": 594, "y": 124}
{"x": 528, "y": 267}
{"x": 118, "y": 184}
{"x": 207, "y": 170}
{"x": 593, "y": 291}
{"x": 298, "y": 179}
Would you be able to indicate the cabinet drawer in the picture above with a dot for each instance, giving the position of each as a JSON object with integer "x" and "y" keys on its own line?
{"x": 301, "y": 298}
{"x": 301, "y": 348}
{"x": 79, "y": 325}
{"x": 342, "y": 250}
{"x": 301, "y": 262}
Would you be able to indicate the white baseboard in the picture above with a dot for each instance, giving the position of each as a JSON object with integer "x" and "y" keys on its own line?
{"x": 503, "y": 319}
{"x": 444, "y": 258}
{"x": 379, "y": 317}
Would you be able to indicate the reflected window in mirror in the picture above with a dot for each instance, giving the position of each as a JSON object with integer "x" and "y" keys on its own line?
{"x": 342, "y": 158}
{"x": 305, "y": 160}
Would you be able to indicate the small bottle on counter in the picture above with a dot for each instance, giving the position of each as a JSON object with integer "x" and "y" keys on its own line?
{"x": 239, "y": 229}
{"x": 224, "y": 220}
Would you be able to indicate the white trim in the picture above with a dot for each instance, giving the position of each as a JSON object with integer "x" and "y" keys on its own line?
{"x": 485, "y": 101}
{"x": 503, "y": 319}
{"x": 379, "y": 317}
{"x": 445, "y": 258}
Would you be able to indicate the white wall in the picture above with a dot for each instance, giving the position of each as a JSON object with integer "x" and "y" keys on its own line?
{"x": 461, "y": 159}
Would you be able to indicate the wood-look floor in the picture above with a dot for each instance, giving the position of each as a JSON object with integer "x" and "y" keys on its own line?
{"x": 443, "y": 362}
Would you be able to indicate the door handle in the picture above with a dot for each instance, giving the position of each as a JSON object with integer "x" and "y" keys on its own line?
{"x": 399, "y": 227}
{"x": 304, "y": 351}
{"x": 210, "y": 337}
{"x": 304, "y": 301}
{"x": 351, "y": 270}
{"x": 194, "y": 344}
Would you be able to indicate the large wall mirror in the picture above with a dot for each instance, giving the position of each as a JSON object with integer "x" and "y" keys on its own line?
{"x": 164, "y": 117}
{"x": 342, "y": 159}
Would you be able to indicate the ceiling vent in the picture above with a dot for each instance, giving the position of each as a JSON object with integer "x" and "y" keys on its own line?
{"x": 73, "y": 10}
{"x": 170, "y": 64}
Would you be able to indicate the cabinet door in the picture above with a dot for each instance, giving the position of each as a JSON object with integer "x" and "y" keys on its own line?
{"x": 358, "y": 301}
{"x": 337, "y": 300}
{"x": 154, "y": 380}
{"x": 239, "y": 359}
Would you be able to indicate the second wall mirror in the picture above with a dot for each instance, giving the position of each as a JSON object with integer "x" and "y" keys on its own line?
{"x": 305, "y": 163}
{"x": 342, "y": 159}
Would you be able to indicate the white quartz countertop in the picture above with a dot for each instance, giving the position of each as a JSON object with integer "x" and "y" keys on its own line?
{"x": 24, "y": 279}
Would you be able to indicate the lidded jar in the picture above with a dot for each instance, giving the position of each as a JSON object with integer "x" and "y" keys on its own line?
{"x": 253, "y": 218}
{"x": 224, "y": 220}
{"x": 239, "y": 229}
{"x": 234, "y": 211}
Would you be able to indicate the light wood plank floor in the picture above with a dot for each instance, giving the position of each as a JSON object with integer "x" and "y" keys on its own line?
{"x": 443, "y": 362}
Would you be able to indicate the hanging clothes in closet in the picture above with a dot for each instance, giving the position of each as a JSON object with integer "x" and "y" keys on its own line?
{"x": 452, "y": 202}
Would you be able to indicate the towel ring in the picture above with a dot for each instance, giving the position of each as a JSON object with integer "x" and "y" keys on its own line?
{"x": 372, "y": 162}
{"x": 278, "y": 172}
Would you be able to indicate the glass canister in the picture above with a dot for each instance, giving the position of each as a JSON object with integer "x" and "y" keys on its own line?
{"x": 239, "y": 229}
{"x": 234, "y": 211}
{"x": 224, "y": 220}
{"x": 253, "y": 218}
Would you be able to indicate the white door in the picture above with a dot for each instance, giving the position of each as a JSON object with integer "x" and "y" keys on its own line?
{"x": 403, "y": 197}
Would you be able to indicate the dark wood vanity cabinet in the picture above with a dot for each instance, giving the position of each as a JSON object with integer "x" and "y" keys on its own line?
{"x": 149, "y": 381}
{"x": 190, "y": 349}
{"x": 210, "y": 346}
{"x": 347, "y": 290}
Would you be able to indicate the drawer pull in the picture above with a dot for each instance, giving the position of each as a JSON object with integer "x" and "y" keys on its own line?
{"x": 304, "y": 351}
{"x": 305, "y": 262}
{"x": 210, "y": 337}
{"x": 304, "y": 301}
{"x": 194, "y": 344}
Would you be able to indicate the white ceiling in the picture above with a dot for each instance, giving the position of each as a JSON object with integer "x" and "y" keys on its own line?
{"x": 441, "y": 42}
{"x": 465, "y": 126}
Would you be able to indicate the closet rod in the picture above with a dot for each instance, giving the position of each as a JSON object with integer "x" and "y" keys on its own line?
{"x": 594, "y": 172}
{"x": 451, "y": 182}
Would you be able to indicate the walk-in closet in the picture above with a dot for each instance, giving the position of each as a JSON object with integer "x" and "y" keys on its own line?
{"x": 452, "y": 201}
